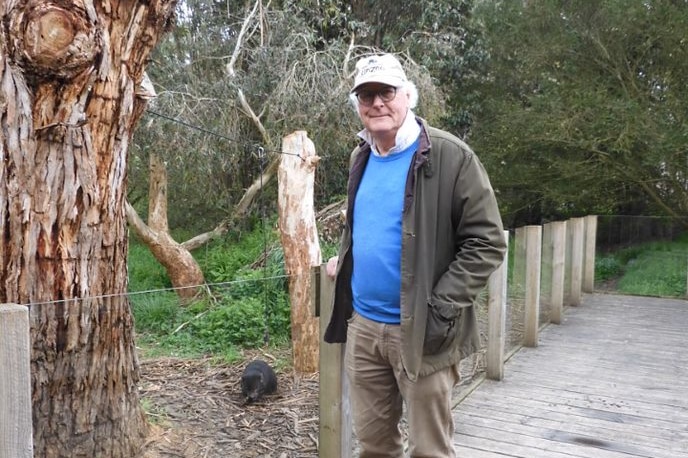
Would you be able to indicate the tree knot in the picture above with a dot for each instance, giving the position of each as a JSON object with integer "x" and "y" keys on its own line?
{"x": 52, "y": 42}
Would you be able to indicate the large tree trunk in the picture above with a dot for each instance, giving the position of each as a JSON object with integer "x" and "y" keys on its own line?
{"x": 69, "y": 72}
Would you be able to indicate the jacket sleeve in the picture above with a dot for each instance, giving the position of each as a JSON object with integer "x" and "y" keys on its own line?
{"x": 478, "y": 237}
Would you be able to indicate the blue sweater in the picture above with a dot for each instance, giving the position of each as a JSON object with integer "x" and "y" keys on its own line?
{"x": 376, "y": 280}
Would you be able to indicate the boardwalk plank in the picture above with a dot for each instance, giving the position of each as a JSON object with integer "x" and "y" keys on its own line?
{"x": 626, "y": 392}
{"x": 547, "y": 443}
{"x": 610, "y": 382}
{"x": 610, "y": 404}
{"x": 605, "y": 431}
{"x": 594, "y": 418}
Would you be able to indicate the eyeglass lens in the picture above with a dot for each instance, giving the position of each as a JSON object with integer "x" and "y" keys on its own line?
{"x": 367, "y": 97}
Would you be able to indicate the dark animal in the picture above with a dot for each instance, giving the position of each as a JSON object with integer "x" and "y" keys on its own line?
{"x": 258, "y": 379}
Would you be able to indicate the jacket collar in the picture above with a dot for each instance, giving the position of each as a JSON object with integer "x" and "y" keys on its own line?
{"x": 362, "y": 153}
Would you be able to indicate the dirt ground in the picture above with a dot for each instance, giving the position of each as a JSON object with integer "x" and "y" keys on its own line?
{"x": 197, "y": 411}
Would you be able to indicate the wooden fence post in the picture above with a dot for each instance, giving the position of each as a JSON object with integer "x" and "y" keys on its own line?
{"x": 532, "y": 303}
{"x": 336, "y": 431}
{"x": 577, "y": 248}
{"x": 589, "y": 261}
{"x": 496, "y": 321}
{"x": 16, "y": 428}
{"x": 558, "y": 233}
{"x": 518, "y": 274}
{"x": 299, "y": 237}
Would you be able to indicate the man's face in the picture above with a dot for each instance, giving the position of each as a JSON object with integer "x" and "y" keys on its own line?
{"x": 381, "y": 109}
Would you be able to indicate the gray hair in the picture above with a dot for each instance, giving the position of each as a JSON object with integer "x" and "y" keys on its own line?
{"x": 408, "y": 86}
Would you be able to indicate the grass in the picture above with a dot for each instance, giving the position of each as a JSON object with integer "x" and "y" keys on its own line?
{"x": 244, "y": 307}
{"x": 651, "y": 269}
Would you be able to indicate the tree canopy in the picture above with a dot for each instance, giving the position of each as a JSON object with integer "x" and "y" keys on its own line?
{"x": 575, "y": 107}
{"x": 584, "y": 107}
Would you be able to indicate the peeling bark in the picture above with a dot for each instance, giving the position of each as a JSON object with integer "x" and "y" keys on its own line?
{"x": 68, "y": 74}
{"x": 299, "y": 236}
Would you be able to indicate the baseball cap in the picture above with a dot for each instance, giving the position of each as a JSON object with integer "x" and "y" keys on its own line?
{"x": 384, "y": 69}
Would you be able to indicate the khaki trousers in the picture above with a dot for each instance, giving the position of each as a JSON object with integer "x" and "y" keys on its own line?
{"x": 379, "y": 387}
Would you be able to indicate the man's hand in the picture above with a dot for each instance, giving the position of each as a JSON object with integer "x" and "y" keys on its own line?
{"x": 331, "y": 267}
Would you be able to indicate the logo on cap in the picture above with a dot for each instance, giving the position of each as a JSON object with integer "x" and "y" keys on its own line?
{"x": 384, "y": 69}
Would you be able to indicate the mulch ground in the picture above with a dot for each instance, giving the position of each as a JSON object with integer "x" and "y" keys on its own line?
{"x": 197, "y": 411}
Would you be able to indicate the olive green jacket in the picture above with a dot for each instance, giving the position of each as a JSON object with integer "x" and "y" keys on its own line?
{"x": 452, "y": 240}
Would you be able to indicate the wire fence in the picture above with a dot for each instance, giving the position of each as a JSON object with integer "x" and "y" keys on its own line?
{"x": 615, "y": 232}
{"x": 258, "y": 300}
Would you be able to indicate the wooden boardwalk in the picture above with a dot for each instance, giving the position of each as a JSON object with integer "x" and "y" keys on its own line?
{"x": 610, "y": 382}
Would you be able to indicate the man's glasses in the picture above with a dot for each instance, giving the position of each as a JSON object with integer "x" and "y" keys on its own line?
{"x": 367, "y": 97}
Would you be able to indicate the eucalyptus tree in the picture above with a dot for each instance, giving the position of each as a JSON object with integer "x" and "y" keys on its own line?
{"x": 224, "y": 121}
{"x": 439, "y": 35}
{"x": 283, "y": 78}
{"x": 71, "y": 94}
{"x": 585, "y": 107}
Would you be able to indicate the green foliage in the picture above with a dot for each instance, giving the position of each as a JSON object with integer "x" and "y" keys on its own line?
{"x": 145, "y": 272}
{"x": 247, "y": 305}
{"x": 649, "y": 269}
{"x": 161, "y": 325}
{"x": 627, "y": 255}
{"x": 157, "y": 313}
{"x": 328, "y": 250}
{"x": 269, "y": 287}
{"x": 655, "y": 273}
{"x": 583, "y": 108}
{"x": 234, "y": 322}
{"x": 607, "y": 268}
{"x": 222, "y": 259}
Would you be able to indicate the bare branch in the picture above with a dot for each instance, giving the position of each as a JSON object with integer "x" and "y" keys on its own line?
{"x": 135, "y": 221}
{"x": 201, "y": 239}
{"x": 246, "y": 107}
{"x": 240, "y": 39}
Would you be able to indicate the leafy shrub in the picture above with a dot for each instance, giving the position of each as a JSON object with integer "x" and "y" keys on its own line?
{"x": 246, "y": 302}
{"x": 222, "y": 260}
{"x": 233, "y": 323}
{"x": 607, "y": 267}
{"x": 270, "y": 287}
{"x": 629, "y": 254}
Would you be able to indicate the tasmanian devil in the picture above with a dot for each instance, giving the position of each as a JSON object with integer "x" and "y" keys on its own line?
{"x": 258, "y": 379}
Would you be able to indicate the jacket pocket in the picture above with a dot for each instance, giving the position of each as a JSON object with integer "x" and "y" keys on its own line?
{"x": 441, "y": 328}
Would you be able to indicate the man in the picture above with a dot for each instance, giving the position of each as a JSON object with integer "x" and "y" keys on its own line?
{"x": 422, "y": 235}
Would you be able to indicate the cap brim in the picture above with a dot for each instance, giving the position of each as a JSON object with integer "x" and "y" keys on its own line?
{"x": 389, "y": 81}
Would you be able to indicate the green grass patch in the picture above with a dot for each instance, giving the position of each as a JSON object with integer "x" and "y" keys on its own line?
{"x": 145, "y": 272}
{"x": 655, "y": 273}
{"x": 246, "y": 307}
{"x": 650, "y": 269}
